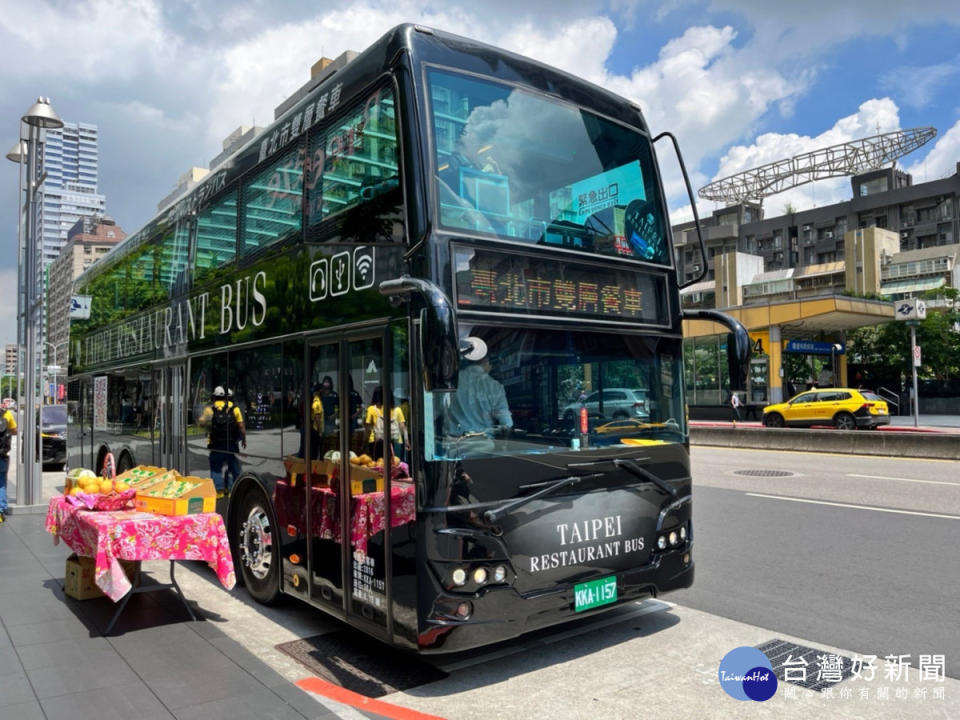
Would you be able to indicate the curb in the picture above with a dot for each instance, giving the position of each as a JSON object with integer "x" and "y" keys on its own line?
{"x": 936, "y": 446}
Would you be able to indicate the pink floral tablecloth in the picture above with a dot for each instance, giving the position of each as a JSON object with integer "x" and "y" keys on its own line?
{"x": 130, "y": 535}
{"x": 368, "y": 510}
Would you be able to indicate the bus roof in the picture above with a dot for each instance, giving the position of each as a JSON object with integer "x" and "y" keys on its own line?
{"x": 423, "y": 44}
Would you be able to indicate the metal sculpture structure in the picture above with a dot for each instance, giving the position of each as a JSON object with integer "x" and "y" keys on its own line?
{"x": 849, "y": 158}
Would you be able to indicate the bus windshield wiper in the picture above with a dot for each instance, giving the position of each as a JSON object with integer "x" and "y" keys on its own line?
{"x": 491, "y": 516}
{"x": 634, "y": 469}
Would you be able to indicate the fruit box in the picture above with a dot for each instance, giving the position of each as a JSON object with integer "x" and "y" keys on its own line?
{"x": 178, "y": 496}
{"x": 79, "y": 582}
{"x": 144, "y": 476}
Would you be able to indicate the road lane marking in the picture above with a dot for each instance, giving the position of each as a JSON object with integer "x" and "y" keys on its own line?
{"x": 900, "y": 479}
{"x": 855, "y": 507}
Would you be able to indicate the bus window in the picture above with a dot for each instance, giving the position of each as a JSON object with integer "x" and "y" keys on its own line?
{"x": 524, "y": 167}
{"x": 355, "y": 179}
{"x": 216, "y": 236}
{"x": 272, "y": 203}
{"x": 525, "y": 394}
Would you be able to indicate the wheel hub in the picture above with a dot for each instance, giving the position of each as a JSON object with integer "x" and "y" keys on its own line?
{"x": 256, "y": 543}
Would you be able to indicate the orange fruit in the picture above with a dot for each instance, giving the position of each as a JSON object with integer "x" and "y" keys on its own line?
{"x": 106, "y": 487}
{"x": 121, "y": 486}
{"x": 75, "y": 490}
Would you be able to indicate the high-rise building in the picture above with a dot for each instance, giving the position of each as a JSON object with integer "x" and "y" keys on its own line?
{"x": 71, "y": 162}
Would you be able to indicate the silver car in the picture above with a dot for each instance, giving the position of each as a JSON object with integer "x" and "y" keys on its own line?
{"x": 611, "y": 403}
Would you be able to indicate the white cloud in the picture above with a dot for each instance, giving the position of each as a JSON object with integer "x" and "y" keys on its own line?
{"x": 917, "y": 86}
{"x": 942, "y": 159}
{"x": 88, "y": 42}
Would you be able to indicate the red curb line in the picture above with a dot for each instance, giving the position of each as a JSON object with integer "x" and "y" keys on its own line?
{"x": 361, "y": 702}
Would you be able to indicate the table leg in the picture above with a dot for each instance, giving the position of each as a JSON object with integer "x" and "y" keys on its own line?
{"x": 173, "y": 581}
{"x": 123, "y": 603}
{"x": 136, "y": 588}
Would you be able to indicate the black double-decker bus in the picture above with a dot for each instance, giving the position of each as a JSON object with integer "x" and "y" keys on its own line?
{"x": 441, "y": 291}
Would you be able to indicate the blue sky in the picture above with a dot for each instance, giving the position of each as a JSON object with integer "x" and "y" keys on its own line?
{"x": 740, "y": 82}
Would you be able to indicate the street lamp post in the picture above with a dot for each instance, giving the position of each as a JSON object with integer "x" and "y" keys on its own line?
{"x": 18, "y": 154}
{"x": 39, "y": 117}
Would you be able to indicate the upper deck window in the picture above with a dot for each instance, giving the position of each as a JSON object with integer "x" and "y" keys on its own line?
{"x": 353, "y": 178}
{"x": 527, "y": 168}
{"x": 272, "y": 203}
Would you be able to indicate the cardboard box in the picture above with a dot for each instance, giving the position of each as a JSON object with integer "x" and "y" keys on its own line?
{"x": 178, "y": 496}
{"x": 365, "y": 485}
{"x": 79, "y": 582}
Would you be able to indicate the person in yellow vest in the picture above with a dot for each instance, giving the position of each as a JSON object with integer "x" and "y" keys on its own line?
{"x": 375, "y": 427}
{"x": 8, "y": 428}
{"x": 227, "y": 434}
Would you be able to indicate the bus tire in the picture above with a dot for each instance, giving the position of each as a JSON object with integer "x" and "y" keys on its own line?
{"x": 124, "y": 463}
{"x": 257, "y": 548}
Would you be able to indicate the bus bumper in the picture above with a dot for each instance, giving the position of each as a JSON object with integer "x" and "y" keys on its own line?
{"x": 501, "y": 613}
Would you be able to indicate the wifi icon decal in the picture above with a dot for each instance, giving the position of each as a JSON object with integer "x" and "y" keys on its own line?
{"x": 362, "y": 268}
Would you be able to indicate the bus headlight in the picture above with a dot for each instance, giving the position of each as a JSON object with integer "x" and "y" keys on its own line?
{"x": 480, "y": 576}
{"x": 674, "y": 538}
{"x": 499, "y": 574}
{"x": 662, "y": 543}
{"x": 683, "y": 532}
{"x": 459, "y": 577}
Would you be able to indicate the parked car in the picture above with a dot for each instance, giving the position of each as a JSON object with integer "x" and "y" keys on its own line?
{"x": 844, "y": 408}
{"x": 53, "y": 434}
{"x": 614, "y": 403}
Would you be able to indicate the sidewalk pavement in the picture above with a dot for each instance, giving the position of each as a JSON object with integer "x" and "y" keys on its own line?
{"x": 54, "y": 663}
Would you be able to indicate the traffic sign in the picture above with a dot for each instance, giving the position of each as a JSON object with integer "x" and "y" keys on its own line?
{"x": 910, "y": 309}
{"x": 916, "y": 356}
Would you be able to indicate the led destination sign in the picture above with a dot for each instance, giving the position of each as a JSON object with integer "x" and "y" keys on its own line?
{"x": 490, "y": 280}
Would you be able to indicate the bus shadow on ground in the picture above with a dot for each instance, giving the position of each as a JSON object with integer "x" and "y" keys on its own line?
{"x": 545, "y": 648}
{"x": 347, "y": 657}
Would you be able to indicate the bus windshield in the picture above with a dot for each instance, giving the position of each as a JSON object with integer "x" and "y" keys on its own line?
{"x": 523, "y": 391}
{"x": 528, "y": 168}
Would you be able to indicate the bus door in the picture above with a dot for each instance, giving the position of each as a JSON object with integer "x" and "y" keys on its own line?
{"x": 169, "y": 413}
{"x": 348, "y": 501}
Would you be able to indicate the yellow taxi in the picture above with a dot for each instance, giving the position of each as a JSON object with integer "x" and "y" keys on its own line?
{"x": 844, "y": 408}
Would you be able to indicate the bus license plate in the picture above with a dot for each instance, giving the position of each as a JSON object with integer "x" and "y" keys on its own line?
{"x": 594, "y": 593}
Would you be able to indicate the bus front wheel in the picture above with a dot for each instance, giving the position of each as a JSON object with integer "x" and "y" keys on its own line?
{"x": 257, "y": 545}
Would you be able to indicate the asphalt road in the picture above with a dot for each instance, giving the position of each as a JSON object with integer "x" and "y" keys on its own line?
{"x": 871, "y": 580}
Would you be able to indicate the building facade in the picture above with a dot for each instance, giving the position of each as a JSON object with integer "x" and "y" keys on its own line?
{"x": 800, "y": 281}
{"x": 923, "y": 215}
{"x": 10, "y": 360}
{"x": 87, "y": 241}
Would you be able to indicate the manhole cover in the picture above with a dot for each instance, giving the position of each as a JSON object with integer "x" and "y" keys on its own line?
{"x": 361, "y": 664}
{"x": 806, "y": 666}
{"x": 764, "y": 473}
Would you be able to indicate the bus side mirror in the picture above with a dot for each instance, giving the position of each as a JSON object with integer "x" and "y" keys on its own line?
{"x": 439, "y": 342}
{"x": 738, "y": 344}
